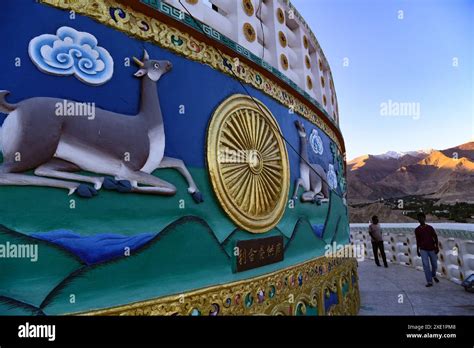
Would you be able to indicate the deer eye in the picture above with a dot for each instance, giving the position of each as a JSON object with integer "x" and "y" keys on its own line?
{"x": 156, "y": 66}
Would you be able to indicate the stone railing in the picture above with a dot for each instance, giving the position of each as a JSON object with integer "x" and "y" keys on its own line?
{"x": 274, "y": 31}
{"x": 456, "y": 244}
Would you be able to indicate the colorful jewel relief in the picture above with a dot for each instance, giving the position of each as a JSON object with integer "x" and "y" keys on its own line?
{"x": 322, "y": 284}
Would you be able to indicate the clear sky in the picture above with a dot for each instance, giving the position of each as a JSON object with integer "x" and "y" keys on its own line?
{"x": 407, "y": 60}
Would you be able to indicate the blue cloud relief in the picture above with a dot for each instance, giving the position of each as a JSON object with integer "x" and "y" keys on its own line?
{"x": 71, "y": 52}
{"x": 316, "y": 142}
{"x": 332, "y": 177}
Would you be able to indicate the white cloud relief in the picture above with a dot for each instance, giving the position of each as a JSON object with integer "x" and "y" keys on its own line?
{"x": 71, "y": 52}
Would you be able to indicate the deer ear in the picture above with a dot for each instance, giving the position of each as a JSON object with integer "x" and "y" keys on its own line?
{"x": 154, "y": 75}
{"x": 146, "y": 56}
{"x": 140, "y": 73}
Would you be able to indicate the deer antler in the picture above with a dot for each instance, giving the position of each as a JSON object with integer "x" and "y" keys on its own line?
{"x": 138, "y": 62}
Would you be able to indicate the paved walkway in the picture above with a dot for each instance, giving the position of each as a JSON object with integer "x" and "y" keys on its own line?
{"x": 380, "y": 290}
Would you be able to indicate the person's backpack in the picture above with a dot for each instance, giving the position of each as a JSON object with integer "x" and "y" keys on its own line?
{"x": 468, "y": 283}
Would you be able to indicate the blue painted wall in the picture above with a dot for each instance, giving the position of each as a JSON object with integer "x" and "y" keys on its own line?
{"x": 196, "y": 86}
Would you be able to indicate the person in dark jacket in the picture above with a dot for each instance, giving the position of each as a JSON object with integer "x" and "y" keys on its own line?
{"x": 427, "y": 248}
{"x": 375, "y": 232}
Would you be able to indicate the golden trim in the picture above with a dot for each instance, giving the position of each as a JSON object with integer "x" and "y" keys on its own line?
{"x": 162, "y": 35}
{"x": 309, "y": 82}
{"x": 248, "y": 163}
{"x": 307, "y": 61}
{"x": 316, "y": 277}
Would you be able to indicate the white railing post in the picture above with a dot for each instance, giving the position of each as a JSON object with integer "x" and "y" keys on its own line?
{"x": 455, "y": 258}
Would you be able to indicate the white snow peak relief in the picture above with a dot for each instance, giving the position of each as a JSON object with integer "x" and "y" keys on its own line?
{"x": 37, "y": 331}
{"x": 19, "y": 251}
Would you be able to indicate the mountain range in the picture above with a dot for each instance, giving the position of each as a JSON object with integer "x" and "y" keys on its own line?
{"x": 445, "y": 175}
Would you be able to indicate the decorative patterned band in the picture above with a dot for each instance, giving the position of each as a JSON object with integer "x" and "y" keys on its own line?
{"x": 323, "y": 286}
{"x": 136, "y": 24}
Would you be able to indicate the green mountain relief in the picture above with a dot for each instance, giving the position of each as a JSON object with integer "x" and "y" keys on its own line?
{"x": 191, "y": 249}
{"x": 30, "y": 282}
{"x": 184, "y": 257}
{"x": 37, "y": 209}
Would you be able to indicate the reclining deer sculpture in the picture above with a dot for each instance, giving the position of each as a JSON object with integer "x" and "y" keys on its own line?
{"x": 129, "y": 148}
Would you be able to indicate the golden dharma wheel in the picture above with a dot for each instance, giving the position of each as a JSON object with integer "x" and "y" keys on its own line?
{"x": 248, "y": 163}
{"x": 305, "y": 42}
{"x": 248, "y": 7}
{"x": 280, "y": 16}
{"x": 249, "y": 32}
{"x": 284, "y": 61}
{"x": 282, "y": 38}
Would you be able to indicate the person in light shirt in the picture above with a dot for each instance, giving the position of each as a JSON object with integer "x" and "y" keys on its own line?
{"x": 375, "y": 232}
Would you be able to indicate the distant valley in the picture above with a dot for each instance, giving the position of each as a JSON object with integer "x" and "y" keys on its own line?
{"x": 394, "y": 184}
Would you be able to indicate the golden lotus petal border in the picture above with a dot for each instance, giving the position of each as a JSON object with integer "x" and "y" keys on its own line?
{"x": 162, "y": 35}
{"x": 287, "y": 299}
